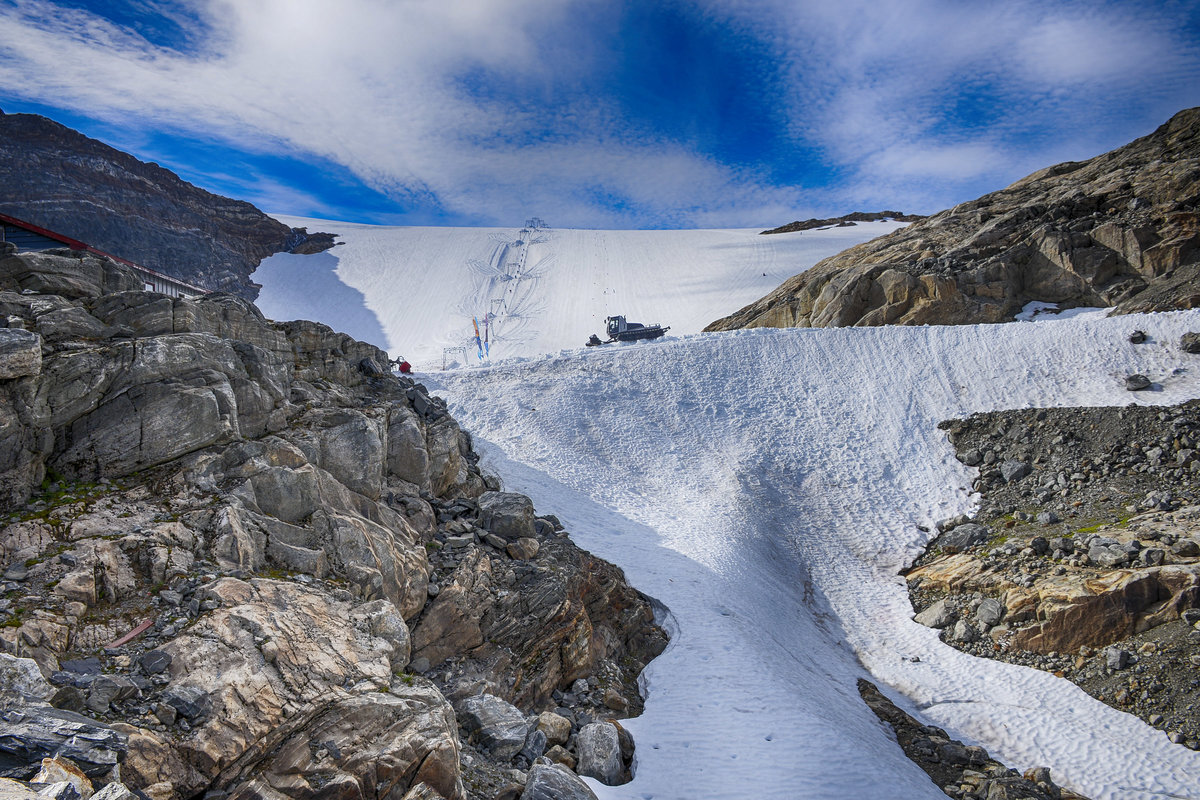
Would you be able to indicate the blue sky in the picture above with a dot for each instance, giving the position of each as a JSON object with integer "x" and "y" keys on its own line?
{"x": 602, "y": 113}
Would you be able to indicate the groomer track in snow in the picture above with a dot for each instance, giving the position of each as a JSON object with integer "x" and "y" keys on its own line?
{"x": 768, "y": 486}
{"x": 418, "y": 288}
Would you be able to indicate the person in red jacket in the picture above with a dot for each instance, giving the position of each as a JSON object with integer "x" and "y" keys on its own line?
{"x": 404, "y": 367}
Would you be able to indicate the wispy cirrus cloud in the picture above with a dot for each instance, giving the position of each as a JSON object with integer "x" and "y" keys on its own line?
{"x": 971, "y": 95}
{"x": 607, "y": 114}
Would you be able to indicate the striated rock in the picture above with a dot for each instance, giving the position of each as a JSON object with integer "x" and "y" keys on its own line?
{"x": 451, "y": 624}
{"x": 32, "y": 733}
{"x": 1109, "y": 608}
{"x": 369, "y": 745}
{"x": 66, "y": 273}
{"x": 20, "y": 354}
{"x": 565, "y": 615}
{"x": 245, "y": 543}
{"x": 1118, "y": 230}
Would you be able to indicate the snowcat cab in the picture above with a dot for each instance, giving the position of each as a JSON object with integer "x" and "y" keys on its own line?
{"x": 619, "y": 330}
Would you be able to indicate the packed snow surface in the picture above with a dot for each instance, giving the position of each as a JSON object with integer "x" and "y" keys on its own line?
{"x": 767, "y": 486}
{"x": 416, "y": 291}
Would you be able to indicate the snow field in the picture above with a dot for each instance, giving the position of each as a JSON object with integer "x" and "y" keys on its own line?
{"x": 414, "y": 291}
{"x": 767, "y": 486}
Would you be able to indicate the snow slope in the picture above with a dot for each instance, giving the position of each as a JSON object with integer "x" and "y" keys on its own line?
{"x": 415, "y": 291}
{"x": 766, "y": 486}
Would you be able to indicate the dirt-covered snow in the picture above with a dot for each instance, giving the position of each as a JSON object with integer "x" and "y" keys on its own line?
{"x": 767, "y": 486}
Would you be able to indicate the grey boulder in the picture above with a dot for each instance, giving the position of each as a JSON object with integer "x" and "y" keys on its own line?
{"x": 963, "y": 537}
{"x": 555, "y": 782}
{"x": 937, "y": 615}
{"x": 497, "y": 724}
{"x": 599, "y": 749}
{"x": 507, "y": 515}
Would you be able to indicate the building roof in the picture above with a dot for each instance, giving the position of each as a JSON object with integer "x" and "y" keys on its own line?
{"x": 75, "y": 244}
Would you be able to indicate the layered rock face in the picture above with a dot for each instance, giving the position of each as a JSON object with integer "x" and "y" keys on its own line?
{"x": 59, "y": 179}
{"x": 1121, "y": 230}
{"x": 240, "y": 558}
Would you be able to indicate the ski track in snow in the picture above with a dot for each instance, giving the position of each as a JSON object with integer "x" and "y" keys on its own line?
{"x": 767, "y": 486}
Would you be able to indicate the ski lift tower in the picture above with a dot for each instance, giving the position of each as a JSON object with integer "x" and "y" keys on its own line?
{"x": 448, "y": 356}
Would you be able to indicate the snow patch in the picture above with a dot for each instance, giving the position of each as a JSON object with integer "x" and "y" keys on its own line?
{"x": 1037, "y": 311}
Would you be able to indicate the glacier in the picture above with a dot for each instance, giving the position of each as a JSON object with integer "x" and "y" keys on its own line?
{"x": 766, "y": 487}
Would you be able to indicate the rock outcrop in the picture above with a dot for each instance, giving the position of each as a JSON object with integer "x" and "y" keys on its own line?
{"x": 1120, "y": 230}
{"x": 240, "y": 557}
{"x": 845, "y": 221}
{"x": 59, "y": 179}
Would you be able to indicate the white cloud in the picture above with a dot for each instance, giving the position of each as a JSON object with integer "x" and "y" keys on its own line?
{"x": 379, "y": 87}
{"x": 445, "y": 99}
{"x": 879, "y": 86}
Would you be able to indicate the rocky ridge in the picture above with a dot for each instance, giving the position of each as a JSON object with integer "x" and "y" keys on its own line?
{"x": 57, "y": 178}
{"x": 242, "y": 560}
{"x": 1084, "y": 558}
{"x": 1120, "y": 230}
{"x": 845, "y": 221}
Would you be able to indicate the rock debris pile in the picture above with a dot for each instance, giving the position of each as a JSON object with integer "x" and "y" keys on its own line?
{"x": 1084, "y": 558}
{"x": 239, "y": 559}
{"x": 962, "y": 771}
